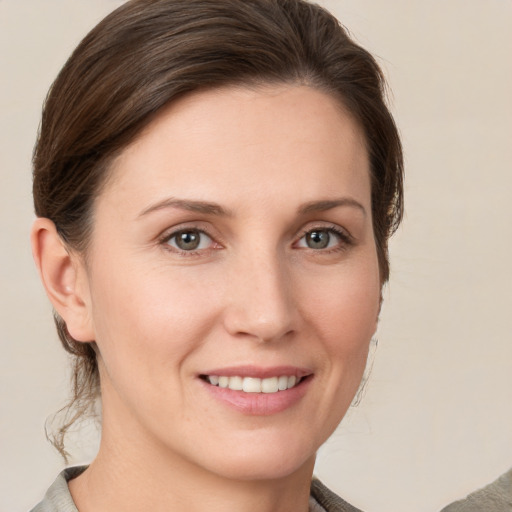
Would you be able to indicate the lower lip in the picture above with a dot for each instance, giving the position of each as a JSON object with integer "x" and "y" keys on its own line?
{"x": 259, "y": 404}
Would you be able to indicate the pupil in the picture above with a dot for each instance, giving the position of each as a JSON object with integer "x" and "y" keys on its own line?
{"x": 318, "y": 239}
{"x": 188, "y": 240}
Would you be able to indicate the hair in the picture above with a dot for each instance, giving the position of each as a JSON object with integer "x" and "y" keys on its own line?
{"x": 148, "y": 53}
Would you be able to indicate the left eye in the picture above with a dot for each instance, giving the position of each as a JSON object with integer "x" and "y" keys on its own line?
{"x": 190, "y": 240}
{"x": 320, "y": 239}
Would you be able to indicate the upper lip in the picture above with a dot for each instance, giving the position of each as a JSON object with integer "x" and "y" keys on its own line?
{"x": 259, "y": 372}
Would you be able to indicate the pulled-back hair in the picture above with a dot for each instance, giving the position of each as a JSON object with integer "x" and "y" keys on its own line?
{"x": 148, "y": 53}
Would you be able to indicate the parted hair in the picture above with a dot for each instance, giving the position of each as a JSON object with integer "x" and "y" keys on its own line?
{"x": 148, "y": 53}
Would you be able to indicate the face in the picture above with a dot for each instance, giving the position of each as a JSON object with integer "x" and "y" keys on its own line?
{"x": 233, "y": 283}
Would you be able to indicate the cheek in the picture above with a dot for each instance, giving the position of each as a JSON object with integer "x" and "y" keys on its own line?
{"x": 343, "y": 309}
{"x": 346, "y": 303}
{"x": 146, "y": 317}
{"x": 149, "y": 324}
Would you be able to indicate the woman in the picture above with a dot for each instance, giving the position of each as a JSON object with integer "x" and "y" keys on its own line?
{"x": 215, "y": 183}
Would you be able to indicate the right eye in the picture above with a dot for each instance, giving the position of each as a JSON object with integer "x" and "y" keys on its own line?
{"x": 320, "y": 239}
{"x": 325, "y": 239}
{"x": 189, "y": 240}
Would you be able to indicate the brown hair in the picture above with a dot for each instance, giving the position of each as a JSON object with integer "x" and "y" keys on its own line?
{"x": 148, "y": 53}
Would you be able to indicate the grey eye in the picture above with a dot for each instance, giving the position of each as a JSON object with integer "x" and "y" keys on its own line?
{"x": 190, "y": 240}
{"x": 318, "y": 239}
{"x": 323, "y": 238}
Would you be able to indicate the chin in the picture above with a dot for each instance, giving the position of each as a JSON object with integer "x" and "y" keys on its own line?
{"x": 262, "y": 460}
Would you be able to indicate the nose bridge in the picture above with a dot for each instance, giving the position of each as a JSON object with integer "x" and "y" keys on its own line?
{"x": 261, "y": 297}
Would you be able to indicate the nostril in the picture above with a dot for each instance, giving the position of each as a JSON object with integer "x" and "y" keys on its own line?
{"x": 261, "y": 308}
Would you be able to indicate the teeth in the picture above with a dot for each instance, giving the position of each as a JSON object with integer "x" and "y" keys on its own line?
{"x": 253, "y": 384}
{"x": 236, "y": 383}
{"x": 270, "y": 385}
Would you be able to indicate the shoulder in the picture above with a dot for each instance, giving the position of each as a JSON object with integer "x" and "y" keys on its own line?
{"x": 58, "y": 497}
{"x": 330, "y": 501}
{"x": 496, "y": 497}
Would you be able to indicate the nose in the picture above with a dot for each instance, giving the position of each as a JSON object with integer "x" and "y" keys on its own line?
{"x": 261, "y": 304}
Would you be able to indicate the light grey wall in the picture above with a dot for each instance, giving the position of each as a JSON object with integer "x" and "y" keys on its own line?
{"x": 436, "y": 420}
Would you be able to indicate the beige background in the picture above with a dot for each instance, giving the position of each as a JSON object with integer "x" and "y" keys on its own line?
{"x": 436, "y": 421}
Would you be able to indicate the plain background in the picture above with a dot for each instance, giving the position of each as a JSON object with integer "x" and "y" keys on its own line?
{"x": 436, "y": 420}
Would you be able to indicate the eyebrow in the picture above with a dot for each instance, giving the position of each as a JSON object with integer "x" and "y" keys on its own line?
{"x": 209, "y": 208}
{"x": 187, "y": 204}
{"x": 329, "y": 204}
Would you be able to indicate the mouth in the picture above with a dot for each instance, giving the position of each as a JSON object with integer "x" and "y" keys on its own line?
{"x": 258, "y": 391}
{"x": 266, "y": 385}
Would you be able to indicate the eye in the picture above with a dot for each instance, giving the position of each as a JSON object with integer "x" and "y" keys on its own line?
{"x": 323, "y": 238}
{"x": 189, "y": 240}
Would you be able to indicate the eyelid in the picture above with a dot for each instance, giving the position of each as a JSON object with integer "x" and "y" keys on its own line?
{"x": 168, "y": 234}
{"x": 328, "y": 226}
{"x": 201, "y": 234}
{"x": 346, "y": 239}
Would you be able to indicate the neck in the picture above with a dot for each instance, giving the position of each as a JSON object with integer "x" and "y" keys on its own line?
{"x": 132, "y": 476}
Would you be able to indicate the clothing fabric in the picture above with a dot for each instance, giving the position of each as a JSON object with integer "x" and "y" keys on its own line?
{"x": 58, "y": 497}
{"x": 496, "y": 497}
{"x": 329, "y": 501}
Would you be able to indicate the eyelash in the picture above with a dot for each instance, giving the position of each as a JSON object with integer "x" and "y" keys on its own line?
{"x": 345, "y": 240}
{"x": 166, "y": 238}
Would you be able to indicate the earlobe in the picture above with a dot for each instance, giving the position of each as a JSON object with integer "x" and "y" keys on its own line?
{"x": 64, "y": 279}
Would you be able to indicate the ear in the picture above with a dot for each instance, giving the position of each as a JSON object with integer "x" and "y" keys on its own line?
{"x": 64, "y": 278}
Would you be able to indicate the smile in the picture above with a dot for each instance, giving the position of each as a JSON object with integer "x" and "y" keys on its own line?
{"x": 253, "y": 384}
{"x": 258, "y": 391}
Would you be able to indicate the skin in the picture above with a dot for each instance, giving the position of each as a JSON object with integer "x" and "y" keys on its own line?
{"x": 254, "y": 293}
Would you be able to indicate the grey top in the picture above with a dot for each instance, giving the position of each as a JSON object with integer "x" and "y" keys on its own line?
{"x": 58, "y": 497}
{"x": 496, "y": 497}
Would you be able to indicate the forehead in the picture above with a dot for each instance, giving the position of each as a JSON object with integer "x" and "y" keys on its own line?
{"x": 246, "y": 140}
